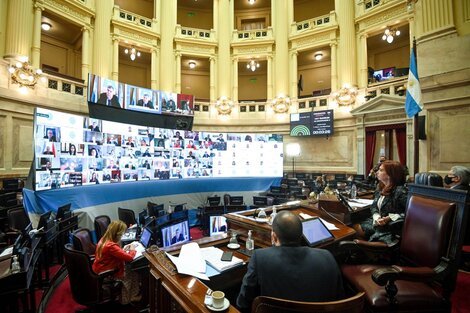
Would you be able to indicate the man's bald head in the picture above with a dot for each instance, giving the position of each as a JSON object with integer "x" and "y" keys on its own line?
{"x": 288, "y": 228}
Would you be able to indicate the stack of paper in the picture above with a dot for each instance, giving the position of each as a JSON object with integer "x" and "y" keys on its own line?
{"x": 212, "y": 256}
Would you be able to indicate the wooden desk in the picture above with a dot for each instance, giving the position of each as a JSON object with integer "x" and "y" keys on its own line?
{"x": 170, "y": 290}
{"x": 242, "y": 221}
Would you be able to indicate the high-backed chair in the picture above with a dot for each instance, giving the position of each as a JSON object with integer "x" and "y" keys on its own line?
{"x": 101, "y": 224}
{"x": 82, "y": 241}
{"x": 425, "y": 276}
{"x": 88, "y": 288}
{"x": 127, "y": 216}
{"x": 262, "y": 304}
{"x": 429, "y": 179}
{"x": 18, "y": 220}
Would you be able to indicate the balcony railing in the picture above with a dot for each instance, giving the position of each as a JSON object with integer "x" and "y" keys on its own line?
{"x": 316, "y": 22}
{"x": 195, "y": 33}
{"x": 133, "y": 18}
{"x": 370, "y": 4}
{"x": 255, "y": 34}
{"x": 392, "y": 87}
{"x": 65, "y": 83}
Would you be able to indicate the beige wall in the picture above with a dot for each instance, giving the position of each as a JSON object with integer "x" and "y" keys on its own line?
{"x": 196, "y": 83}
{"x": 398, "y": 57}
{"x": 61, "y": 56}
{"x": 251, "y": 89}
{"x": 315, "y": 78}
{"x": 141, "y": 7}
{"x": 306, "y": 9}
{"x": 201, "y": 19}
{"x": 135, "y": 74}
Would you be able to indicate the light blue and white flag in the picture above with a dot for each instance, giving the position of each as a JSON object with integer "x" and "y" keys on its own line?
{"x": 413, "y": 102}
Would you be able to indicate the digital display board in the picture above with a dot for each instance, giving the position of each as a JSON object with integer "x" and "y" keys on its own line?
{"x": 317, "y": 123}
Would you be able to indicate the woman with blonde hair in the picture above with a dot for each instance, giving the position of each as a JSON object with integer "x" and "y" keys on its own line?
{"x": 109, "y": 255}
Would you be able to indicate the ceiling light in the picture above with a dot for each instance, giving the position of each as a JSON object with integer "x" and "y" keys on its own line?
{"x": 318, "y": 56}
{"x": 192, "y": 64}
{"x": 390, "y": 34}
{"x": 46, "y": 26}
{"x": 251, "y": 2}
{"x": 252, "y": 65}
{"x": 133, "y": 53}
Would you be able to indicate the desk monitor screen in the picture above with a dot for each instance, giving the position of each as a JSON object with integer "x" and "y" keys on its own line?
{"x": 315, "y": 232}
{"x": 62, "y": 210}
{"x": 146, "y": 237}
{"x": 43, "y": 219}
{"x": 217, "y": 225}
{"x": 236, "y": 200}
{"x": 175, "y": 233}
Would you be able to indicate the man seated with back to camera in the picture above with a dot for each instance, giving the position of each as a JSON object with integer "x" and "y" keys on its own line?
{"x": 288, "y": 270}
{"x": 389, "y": 205}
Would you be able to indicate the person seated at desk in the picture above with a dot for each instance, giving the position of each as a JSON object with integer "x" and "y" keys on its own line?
{"x": 389, "y": 204}
{"x": 288, "y": 270}
{"x": 145, "y": 102}
{"x": 109, "y": 255}
{"x": 458, "y": 178}
{"x": 109, "y": 98}
{"x": 177, "y": 237}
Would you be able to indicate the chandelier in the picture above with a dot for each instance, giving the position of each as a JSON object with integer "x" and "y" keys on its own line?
{"x": 224, "y": 105}
{"x": 132, "y": 53}
{"x": 346, "y": 95}
{"x": 252, "y": 65}
{"x": 390, "y": 34}
{"x": 23, "y": 74}
{"x": 280, "y": 104}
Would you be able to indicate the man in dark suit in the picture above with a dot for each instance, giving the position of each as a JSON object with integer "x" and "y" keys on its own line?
{"x": 145, "y": 102}
{"x": 50, "y": 135}
{"x": 458, "y": 178}
{"x": 288, "y": 270}
{"x": 109, "y": 98}
{"x": 177, "y": 237}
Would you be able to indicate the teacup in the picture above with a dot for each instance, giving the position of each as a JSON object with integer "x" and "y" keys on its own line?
{"x": 218, "y": 299}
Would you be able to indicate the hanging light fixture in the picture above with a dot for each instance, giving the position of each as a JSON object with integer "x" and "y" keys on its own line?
{"x": 23, "y": 74}
{"x": 390, "y": 34}
{"x": 252, "y": 65}
{"x": 192, "y": 64}
{"x": 318, "y": 56}
{"x": 133, "y": 53}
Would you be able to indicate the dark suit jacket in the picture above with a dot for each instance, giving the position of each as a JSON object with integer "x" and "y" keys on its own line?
{"x": 148, "y": 105}
{"x": 104, "y": 100}
{"x": 294, "y": 273}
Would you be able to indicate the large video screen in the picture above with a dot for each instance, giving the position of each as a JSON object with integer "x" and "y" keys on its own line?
{"x": 73, "y": 150}
{"x": 317, "y": 123}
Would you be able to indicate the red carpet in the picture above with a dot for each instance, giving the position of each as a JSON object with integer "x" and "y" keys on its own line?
{"x": 460, "y": 297}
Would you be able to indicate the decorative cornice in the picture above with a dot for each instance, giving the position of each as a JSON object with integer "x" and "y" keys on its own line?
{"x": 81, "y": 13}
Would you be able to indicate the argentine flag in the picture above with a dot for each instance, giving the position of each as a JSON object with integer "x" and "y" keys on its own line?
{"x": 413, "y": 102}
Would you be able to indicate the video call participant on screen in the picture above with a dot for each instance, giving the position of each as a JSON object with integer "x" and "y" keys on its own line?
{"x": 50, "y": 135}
{"x": 94, "y": 178}
{"x": 145, "y": 102}
{"x": 170, "y": 105}
{"x": 48, "y": 151}
{"x": 288, "y": 270}
{"x": 109, "y": 98}
{"x": 110, "y": 256}
{"x": 177, "y": 237}
{"x": 94, "y": 127}
{"x": 72, "y": 149}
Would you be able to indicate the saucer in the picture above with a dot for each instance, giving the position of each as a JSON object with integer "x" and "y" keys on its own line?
{"x": 225, "y": 307}
{"x": 233, "y": 246}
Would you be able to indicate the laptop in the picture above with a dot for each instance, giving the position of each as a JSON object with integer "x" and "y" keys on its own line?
{"x": 143, "y": 243}
{"x": 315, "y": 232}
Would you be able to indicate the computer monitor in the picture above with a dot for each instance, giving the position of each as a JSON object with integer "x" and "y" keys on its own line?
{"x": 217, "y": 225}
{"x": 174, "y": 233}
{"x": 178, "y": 215}
{"x": 142, "y": 217}
{"x": 258, "y": 200}
{"x": 213, "y": 201}
{"x": 146, "y": 237}
{"x": 43, "y": 220}
{"x": 236, "y": 200}
{"x": 62, "y": 211}
{"x": 315, "y": 232}
{"x": 155, "y": 209}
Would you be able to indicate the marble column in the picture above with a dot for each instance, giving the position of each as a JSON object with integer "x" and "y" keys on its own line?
{"x": 167, "y": 57}
{"x": 294, "y": 91}
{"x": 102, "y": 43}
{"x": 85, "y": 52}
{"x": 362, "y": 61}
{"x": 269, "y": 78}
{"x": 178, "y": 71}
{"x": 36, "y": 47}
{"x": 281, "y": 34}
{"x": 347, "y": 42}
{"x": 224, "y": 31}
{"x": 154, "y": 69}
{"x": 334, "y": 67}
{"x": 212, "y": 79}
{"x": 115, "y": 69}
{"x": 19, "y": 29}
{"x": 235, "y": 79}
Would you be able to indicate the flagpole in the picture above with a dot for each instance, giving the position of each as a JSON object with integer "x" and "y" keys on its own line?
{"x": 415, "y": 126}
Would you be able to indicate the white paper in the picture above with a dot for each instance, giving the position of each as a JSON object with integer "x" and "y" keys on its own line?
{"x": 359, "y": 203}
{"x": 329, "y": 225}
{"x": 190, "y": 261}
{"x": 212, "y": 255}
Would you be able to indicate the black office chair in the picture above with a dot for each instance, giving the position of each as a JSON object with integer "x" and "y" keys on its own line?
{"x": 429, "y": 179}
{"x": 101, "y": 224}
{"x": 127, "y": 216}
{"x": 82, "y": 241}
{"x": 88, "y": 288}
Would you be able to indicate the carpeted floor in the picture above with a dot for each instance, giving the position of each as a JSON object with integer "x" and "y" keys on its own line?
{"x": 60, "y": 300}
